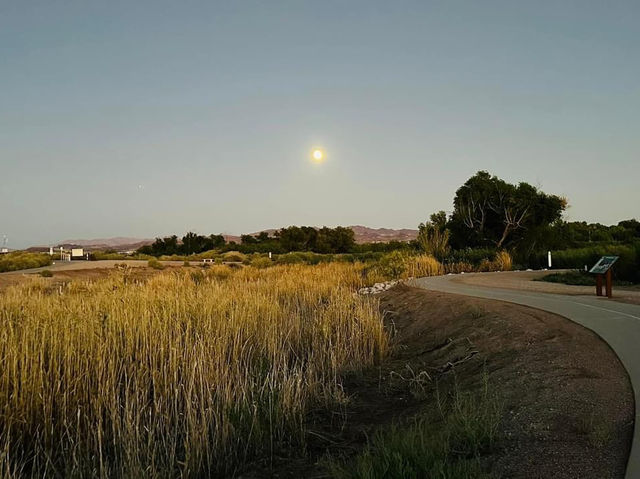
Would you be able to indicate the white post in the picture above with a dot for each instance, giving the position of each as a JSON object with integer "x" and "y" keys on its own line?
{"x": 269, "y": 254}
{"x": 549, "y": 259}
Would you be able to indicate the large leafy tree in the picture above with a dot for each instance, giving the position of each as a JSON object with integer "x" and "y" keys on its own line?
{"x": 488, "y": 211}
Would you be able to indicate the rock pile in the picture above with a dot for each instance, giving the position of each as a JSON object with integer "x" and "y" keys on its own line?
{"x": 378, "y": 287}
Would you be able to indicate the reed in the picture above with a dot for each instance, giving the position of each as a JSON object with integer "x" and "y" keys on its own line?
{"x": 182, "y": 375}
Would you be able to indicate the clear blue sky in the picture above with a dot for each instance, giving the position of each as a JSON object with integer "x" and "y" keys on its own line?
{"x": 149, "y": 118}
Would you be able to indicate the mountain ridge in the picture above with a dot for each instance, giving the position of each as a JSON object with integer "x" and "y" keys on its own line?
{"x": 363, "y": 234}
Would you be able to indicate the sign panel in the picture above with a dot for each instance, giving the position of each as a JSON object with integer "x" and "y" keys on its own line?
{"x": 604, "y": 264}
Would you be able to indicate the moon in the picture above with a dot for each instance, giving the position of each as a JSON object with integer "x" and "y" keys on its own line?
{"x": 317, "y": 154}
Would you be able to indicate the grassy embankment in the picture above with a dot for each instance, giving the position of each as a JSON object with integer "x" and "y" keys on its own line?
{"x": 193, "y": 372}
{"x": 190, "y": 373}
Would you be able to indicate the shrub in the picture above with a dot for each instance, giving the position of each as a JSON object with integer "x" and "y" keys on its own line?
{"x": 485, "y": 266}
{"x": 18, "y": 260}
{"x": 423, "y": 265}
{"x": 393, "y": 265}
{"x": 186, "y": 263}
{"x": 576, "y": 278}
{"x": 500, "y": 262}
{"x": 261, "y": 262}
{"x": 155, "y": 264}
{"x": 503, "y": 261}
{"x": 234, "y": 257}
{"x": 434, "y": 240}
{"x": 219, "y": 272}
{"x": 458, "y": 267}
{"x": 627, "y": 267}
{"x": 46, "y": 273}
{"x": 473, "y": 256}
{"x": 291, "y": 258}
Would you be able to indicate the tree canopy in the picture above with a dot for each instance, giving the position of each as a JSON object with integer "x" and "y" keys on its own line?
{"x": 191, "y": 243}
{"x": 292, "y": 238}
{"x": 490, "y": 212}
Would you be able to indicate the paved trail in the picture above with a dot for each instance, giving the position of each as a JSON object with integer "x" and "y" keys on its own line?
{"x": 617, "y": 323}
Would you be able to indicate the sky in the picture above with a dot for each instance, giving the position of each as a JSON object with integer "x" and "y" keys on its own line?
{"x": 150, "y": 118}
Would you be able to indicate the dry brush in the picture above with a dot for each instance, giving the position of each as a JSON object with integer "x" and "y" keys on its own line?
{"x": 186, "y": 374}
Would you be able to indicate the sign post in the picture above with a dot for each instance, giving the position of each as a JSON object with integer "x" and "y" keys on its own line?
{"x": 602, "y": 269}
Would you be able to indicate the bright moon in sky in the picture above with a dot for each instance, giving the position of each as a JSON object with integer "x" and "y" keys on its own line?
{"x": 317, "y": 155}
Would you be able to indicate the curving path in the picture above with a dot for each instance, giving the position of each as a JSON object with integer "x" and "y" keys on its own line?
{"x": 617, "y": 323}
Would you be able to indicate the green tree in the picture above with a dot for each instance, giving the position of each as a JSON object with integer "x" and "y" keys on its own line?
{"x": 488, "y": 211}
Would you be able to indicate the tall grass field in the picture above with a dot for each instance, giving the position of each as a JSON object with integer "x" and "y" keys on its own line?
{"x": 188, "y": 374}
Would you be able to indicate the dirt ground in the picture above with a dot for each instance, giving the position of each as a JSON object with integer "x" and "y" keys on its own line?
{"x": 525, "y": 281}
{"x": 567, "y": 403}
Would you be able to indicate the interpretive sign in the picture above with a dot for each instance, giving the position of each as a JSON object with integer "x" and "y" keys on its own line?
{"x": 604, "y": 264}
{"x": 602, "y": 270}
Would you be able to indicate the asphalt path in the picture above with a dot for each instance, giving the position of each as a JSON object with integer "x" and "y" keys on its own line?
{"x": 616, "y": 323}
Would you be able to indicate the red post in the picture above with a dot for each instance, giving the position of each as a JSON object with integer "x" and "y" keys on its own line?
{"x": 609, "y": 283}
{"x": 598, "y": 284}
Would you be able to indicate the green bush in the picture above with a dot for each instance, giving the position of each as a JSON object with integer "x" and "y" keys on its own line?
{"x": 261, "y": 262}
{"x": 627, "y": 267}
{"x": 576, "y": 278}
{"x": 474, "y": 256}
{"x": 19, "y": 260}
{"x": 155, "y": 264}
{"x": 46, "y": 273}
{"x": 292, "y": 258}
{"x": 393, "y": 265}
{"x": 234, "y": 257}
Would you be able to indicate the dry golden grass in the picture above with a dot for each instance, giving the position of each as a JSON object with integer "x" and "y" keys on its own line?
{"x": 459, "y": 267}
{"x": 188, "y": 374}
{"x": 423, "y": 265}
{"x": 502, "y": 262}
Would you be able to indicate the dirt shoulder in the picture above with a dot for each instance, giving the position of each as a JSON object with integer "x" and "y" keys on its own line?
{"x": 82, "y": 271}
{"x": 526, "y": 281}
{"x": 567, "y": 404}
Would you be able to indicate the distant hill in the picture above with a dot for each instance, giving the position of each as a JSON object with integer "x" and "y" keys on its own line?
{"x": 118, "y": 243}
{"x": 363, "y": 234}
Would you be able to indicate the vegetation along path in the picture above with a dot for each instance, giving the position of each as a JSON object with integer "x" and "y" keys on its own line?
{"x": 617, "y": 323}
